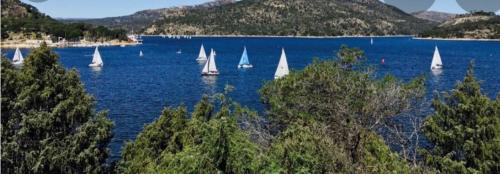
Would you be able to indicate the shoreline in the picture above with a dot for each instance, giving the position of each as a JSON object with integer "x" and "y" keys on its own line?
{"x": 24, "y": 44}
{"x": 455, "y": 39}
{"x": 277, "y": 36}
{"x": 325, "y": 37}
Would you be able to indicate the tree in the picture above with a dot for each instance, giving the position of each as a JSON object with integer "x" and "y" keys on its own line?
{"x": 306, "y": 149}
{"x": 465, "y": 130}
{"x": 349, "y": 102}
{"x": 350, "y": 56}
{"x": 48, "y": 120}
{"x": 209, "y": 142}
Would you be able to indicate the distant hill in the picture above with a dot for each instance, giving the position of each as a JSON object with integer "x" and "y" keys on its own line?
{"x": 292, "y": 17}
{"x": 434, "y": 16}
{"x": 22, "y": 21}
{"x": 479, "y": 25}
{"x": 142, "y": 19}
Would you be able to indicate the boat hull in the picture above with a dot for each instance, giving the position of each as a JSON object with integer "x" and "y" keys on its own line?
{"x": 17, "y": 63}
{"x": 245, "y": 66}
{"x": 437, "y": 67}
{"x": 210, "y": 74}
{"x": 95, "y": 65}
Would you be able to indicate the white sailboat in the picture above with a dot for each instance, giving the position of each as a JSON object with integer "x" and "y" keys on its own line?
{"x": 97, "y": 60}
{"x": 203, "y": 55}
{"x": 141, "y": 54}
{"x": 436, "y": 60}
{"x": 18, "y": 57}
{"x": 371, "y": 41}
{"x": 244, "y": 62}
{"x": 282, "y": 70}
{"x": 210, "y": 68}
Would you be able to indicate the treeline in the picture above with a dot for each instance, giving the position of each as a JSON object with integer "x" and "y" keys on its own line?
{"x": 33, "y": 24}
{"x": 324, "y": 119}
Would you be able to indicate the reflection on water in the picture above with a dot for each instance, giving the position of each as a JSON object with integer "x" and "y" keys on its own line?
{"x": 437, "y": 73}
{"x": 96, "y": 70}
{"x": 210, "y": 84}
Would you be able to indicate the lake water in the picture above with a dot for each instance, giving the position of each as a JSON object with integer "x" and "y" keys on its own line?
{"x": 135, "y": 89}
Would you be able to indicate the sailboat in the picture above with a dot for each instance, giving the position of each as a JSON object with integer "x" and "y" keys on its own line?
{"x": 282, "y": 70}
{"x": 210, "y": 68}
{"x": 436, "y": 60}
{"x": 244, "y": 62}
{"x": 371, "y": 41}
{"x": 97, "y": 60}
{"x": 18, "y": 57}
{"x": 179, "y": 52}
{"x": 141, "y": 54}
{"x": 202, "y": 56}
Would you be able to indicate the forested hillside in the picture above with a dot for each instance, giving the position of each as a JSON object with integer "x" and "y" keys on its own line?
{"x": 23, "y": 21}
{"x": 292, "y": 17}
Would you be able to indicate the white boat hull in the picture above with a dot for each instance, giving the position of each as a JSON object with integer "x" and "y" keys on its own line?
{"x": 17, "y": 63}
{"x": 245, "y": 66}
{"x": 95, "y": 65}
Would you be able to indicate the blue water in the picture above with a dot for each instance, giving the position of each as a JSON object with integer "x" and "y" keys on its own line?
{"x": 135, "y": 89}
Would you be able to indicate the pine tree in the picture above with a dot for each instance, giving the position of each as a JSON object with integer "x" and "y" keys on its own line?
{"x": 48, "y": 120}
{"x": 465, "y": 130}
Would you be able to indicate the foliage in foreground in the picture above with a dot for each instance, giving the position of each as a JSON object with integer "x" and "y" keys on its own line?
{"x": 324, "y": 119}
{"x": 48, "y": 120}
{"x": 342, "y": 95}
{"x": 209, "y": 142}
{"x": 465, "y": 130}
{"x": 320, "y": 128}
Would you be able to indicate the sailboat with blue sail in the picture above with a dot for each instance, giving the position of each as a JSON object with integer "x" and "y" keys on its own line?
{"x": 244, "y": 62}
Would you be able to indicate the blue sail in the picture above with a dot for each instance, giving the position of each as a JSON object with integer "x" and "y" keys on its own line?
{"x": 244, "y": 58}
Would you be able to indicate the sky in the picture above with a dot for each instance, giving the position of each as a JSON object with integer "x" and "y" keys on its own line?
{"x": 111, "y": 8}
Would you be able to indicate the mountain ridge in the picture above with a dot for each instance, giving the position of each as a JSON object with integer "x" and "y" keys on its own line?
{"x": 144, "y": 18}
{"x": 434, "y": 16}
{"x": 479, "y": 25}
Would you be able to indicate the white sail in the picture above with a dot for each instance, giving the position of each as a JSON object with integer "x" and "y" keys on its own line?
{"x": 97, "y": 60}
{"x": 205, "y": 68}
{"x": 141, "y": 54}
{"x": 202, "y": 56}
{"x": 371, "y": 41}
{"x": 436, "y": 60}
{"x": 18, "y": 57}
{"x": 282, "y": 70}
{"x": 210, "y": 67}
